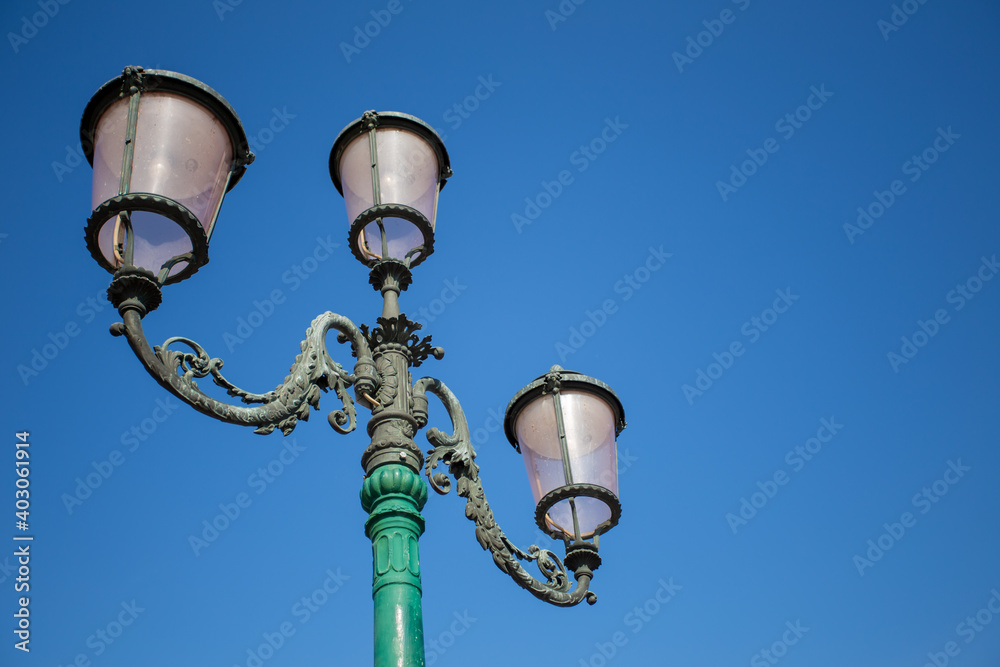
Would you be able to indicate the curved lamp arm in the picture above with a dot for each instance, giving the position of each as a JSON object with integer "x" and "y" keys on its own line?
{"x": 313, "y": 370}
{"x": 457, "y": 452}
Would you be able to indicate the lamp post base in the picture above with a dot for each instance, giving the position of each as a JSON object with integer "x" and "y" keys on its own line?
{"x": 393, "y": 495}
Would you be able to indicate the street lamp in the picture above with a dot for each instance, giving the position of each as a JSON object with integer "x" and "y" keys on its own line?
{"x": 165, "y": 149}
{"x": 393, "y": 201}
{"x": 565, "y": 424}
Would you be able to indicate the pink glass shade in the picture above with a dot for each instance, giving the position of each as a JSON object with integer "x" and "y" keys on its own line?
{"x": 590, "y": 441}
{"x": 182, "y": 152}
{"x": 409, "y": 173}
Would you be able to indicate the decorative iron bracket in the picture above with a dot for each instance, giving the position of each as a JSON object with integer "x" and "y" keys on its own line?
{"x": 457, "y": 453}
{"x": 313, "y": 369}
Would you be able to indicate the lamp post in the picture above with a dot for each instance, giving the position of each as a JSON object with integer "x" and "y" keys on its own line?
{"x": 165, "y": 149}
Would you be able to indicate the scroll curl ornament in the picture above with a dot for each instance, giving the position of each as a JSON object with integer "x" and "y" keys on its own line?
{"x": 312, "y": 372}
{"x": 456, "y": 451}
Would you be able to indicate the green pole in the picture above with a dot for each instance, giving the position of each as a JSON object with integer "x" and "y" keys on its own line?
{"x": 393, "y": 495}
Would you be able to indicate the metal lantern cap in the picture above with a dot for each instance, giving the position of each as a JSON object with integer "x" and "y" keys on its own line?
{"x": 568, "y": 380}
{"x": 157, "y": 80}
{"x": 389, "y": 119}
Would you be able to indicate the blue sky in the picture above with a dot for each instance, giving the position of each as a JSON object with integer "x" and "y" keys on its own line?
{"x": 769, "y": 226}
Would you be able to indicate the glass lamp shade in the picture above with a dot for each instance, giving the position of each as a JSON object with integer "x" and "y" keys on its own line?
{"x": 401, "y": 168}
{"x": 568, "y": 440}
{"x": 165, "y": 149}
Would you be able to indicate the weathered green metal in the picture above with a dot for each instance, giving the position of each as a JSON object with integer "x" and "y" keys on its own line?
{"x": 382, "y": 383}
{"x": 457, "y": 453}
{"x": 393, "y": 491}
{"x": 134, "y": 288}
{"x": 393, "y": 496}
{"x": 132, "y": 86}
{"x": 134, "y": 293}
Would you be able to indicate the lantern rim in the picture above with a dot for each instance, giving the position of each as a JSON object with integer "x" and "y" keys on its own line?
{"x": 567, "y": 491}
{"x": 408, "y": 213}
{"x": 152, "y": 203}
{"x": 396, "y": 119}
{"x": 156, "y": 80}
{"x": 567, "y": 380}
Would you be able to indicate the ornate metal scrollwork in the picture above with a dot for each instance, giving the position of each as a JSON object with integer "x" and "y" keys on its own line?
{"x": 456, "y": 451}
{"x": 400, "y": 330}
{"x": 282, "y": 408}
